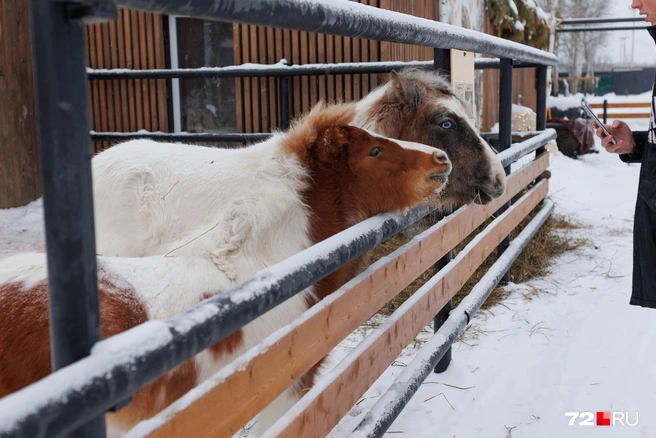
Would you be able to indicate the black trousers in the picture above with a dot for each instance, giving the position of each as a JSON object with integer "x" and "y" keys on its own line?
{"x": 644, "y": 256}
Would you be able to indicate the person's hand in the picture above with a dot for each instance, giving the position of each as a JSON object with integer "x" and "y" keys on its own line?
{"x": 622, "y": 134}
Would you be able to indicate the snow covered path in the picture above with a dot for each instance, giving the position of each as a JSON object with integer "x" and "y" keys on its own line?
{"x": 578, "y": 346}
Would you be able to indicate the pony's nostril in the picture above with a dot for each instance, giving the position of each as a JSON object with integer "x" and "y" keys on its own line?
{"x": 500, "y": 182}
{"x": 441, "y": 157}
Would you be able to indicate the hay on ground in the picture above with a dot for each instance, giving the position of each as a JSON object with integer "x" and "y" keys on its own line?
{"x": 535, "y": 261}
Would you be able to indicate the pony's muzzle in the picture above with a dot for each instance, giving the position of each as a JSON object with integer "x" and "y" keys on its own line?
{"x": 441, "y": 157}
{"x": 442, "y": 167}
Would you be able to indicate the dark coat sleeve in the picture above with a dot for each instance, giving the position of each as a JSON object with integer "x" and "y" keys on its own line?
{"x": 640, "y": 139}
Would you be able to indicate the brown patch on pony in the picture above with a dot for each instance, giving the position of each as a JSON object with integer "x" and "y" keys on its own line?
{"x": 229, "y": 344}
{"x": 24, "y": 336}
{"x": 304, "y": 132}
{"x": 25, "y": 345}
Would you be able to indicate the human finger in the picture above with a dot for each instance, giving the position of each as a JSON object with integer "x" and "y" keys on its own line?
{"x": 613, "y": 148}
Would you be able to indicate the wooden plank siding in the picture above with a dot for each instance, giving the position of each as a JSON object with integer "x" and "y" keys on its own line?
{"x": 20, "y": 177}
{"x": 258, "y": 101}
{"x": 136, "y": 40}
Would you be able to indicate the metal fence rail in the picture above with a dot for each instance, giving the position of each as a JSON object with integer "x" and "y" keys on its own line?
{"x": 84, "y": 391}
{"x": 279, "y": 70}
{"x": 348, "y": 19}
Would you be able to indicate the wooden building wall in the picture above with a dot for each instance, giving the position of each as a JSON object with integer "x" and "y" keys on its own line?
{"x": 135, "y": 40}
{"x": 258, "y": 98}
{"x": 20, "y": 175}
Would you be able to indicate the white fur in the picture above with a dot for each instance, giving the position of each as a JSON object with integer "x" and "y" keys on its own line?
{"x": 165, "y": 286}
{"x": 156, "y": 198}
{"x": 363, "y": 108}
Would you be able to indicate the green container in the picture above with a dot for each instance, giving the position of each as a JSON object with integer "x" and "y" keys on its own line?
{"x": 605, "y": 84}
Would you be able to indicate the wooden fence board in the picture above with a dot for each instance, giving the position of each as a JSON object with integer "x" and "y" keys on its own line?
{"x": 257, "y": 382}
{"x": 239, "y": 82}
{"x": 20, "y": 177}
{"x": 271, "y": 86}
{"x": 123, "y": 86}
{"x": 305, "y": 47}
{"x": 134, "y": 41}
{"x": 626, "y": 115}
{"x": 326, "y": 409}
{"x": 105, "y": 48}
{"x": 622, "y": 105}
{"x": 330, "y": 58}
{"x": 305, "y": 80}
{"x": 160, "y": 84}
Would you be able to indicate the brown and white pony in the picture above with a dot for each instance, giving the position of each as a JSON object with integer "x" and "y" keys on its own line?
{"x": 148, "y": 201}
{"x": 272, "y": 200}
{"x": 420, "y": 106}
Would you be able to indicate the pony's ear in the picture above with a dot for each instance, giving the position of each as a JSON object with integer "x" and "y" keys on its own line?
{"x": 329, "y": 144}
{"x": 405, "y": 90}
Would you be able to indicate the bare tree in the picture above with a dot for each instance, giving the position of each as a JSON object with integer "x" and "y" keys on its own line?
{"x": 552, "y": 7}
{"x": 578, "y": 51}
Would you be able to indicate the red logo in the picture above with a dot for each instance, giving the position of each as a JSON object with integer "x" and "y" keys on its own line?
{"x": 603, "y": 418}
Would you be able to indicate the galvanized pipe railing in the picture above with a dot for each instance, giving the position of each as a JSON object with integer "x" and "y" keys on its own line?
{"x": 348, "y": 19}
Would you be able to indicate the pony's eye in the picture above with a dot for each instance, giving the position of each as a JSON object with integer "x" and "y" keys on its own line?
{"x": 447, "y": 125}
{"x": 375, "y": 152}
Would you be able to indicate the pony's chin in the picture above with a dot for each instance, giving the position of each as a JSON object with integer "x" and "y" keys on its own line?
{"x": 483, "y": 198}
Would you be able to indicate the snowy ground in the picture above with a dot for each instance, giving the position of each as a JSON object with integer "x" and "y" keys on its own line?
{"x": 576, "y": 346}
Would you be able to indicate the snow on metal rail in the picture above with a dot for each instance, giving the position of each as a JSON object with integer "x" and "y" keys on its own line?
{"x": 348, "y": 19}
{"x": 280, "y": 69}
{"x": 518, "y": 150}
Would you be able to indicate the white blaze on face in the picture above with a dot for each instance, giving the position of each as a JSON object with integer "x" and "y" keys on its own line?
{"x": 416, "y": 146}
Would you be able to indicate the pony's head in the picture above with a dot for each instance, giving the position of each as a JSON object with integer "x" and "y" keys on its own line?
{"x": 356, "y": 174}
{"x": 420, "y": 106}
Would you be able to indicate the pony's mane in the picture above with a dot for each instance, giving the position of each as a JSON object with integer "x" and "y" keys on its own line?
{"x": 305, "y": 131}
{"x": 429, "y": 78}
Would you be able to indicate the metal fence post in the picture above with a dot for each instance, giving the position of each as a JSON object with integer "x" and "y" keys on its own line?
{"x": 605, "y": 111}
{"x": 442, "y": 63}
{"x": 284, "y": 101}
{"x": 505, "y": 134}
{"x": 65, "y": 147}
